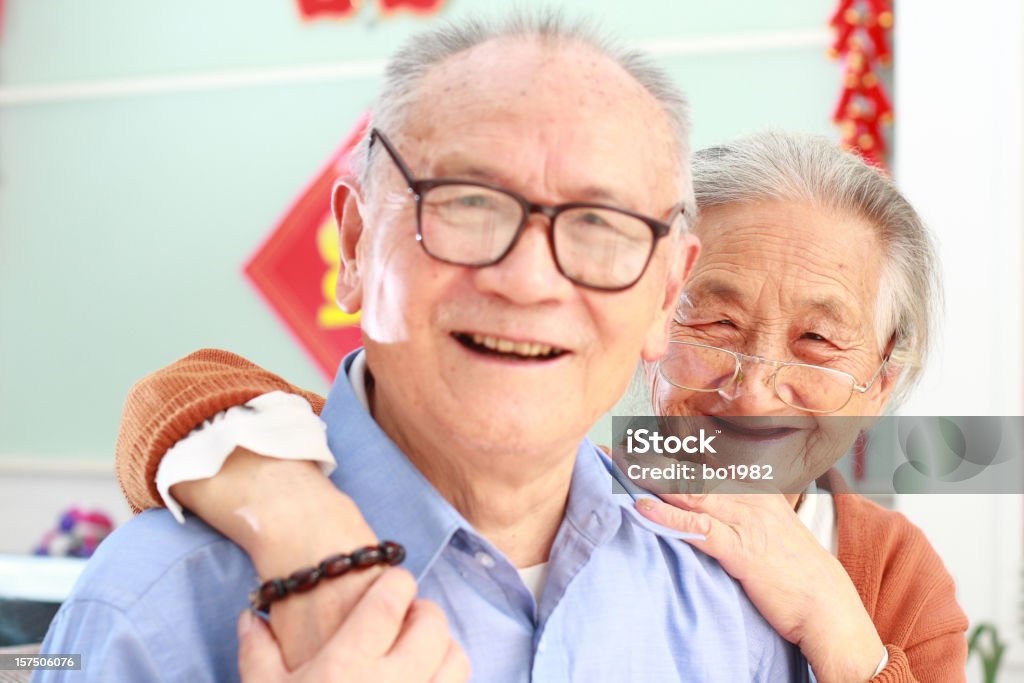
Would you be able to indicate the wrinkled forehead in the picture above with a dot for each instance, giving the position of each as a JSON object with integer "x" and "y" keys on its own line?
{"x": 784, "y": 258}
{"x": 544, "y": 112}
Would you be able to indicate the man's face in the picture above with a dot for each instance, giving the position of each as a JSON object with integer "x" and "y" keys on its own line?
{"x": 790, "y": 282}
{"x": 555, "y": 124}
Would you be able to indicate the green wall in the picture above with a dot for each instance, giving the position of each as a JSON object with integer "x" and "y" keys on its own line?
{"x": 125, "y": 217}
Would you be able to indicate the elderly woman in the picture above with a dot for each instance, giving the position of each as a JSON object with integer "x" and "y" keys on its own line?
{"x": 811, "y": 297}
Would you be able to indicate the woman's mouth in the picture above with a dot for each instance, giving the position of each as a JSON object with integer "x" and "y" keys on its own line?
{"x": 753, "y": 428}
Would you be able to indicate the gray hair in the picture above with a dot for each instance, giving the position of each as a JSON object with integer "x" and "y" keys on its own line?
{"x": 812, "y": 169}
{"x": 410, "y": 65}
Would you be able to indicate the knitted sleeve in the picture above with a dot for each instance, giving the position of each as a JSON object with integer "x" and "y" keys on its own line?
{"x": 935, "y": 647}
{"x": 906, "y": 590}
{"x": 163, "y": 407}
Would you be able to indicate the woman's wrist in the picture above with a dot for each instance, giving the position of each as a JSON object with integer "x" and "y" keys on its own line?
{"x": 319, "y": 523}
{"x": 840, "y": 641}
{"x": 281, "y": 512}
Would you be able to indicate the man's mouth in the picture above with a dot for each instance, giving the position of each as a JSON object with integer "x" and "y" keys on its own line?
{"x": 753, "y": 428}
{"x": 508, "y": 348}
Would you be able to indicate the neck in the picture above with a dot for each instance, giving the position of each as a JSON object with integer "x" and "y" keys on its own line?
{"x": 515, "y": 499}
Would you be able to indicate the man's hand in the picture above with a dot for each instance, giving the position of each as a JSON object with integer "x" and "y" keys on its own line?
{"x": 796, "y": 585}
{"x": 388, "y": 636}
{"x": 287, "y": 515}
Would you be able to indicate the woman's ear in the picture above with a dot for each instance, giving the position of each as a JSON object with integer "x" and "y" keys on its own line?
{"x": 888, "y": 378}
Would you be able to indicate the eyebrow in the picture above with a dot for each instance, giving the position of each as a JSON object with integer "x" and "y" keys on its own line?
{"x": 831, "y": 307}
{"x": 715, "y": 289}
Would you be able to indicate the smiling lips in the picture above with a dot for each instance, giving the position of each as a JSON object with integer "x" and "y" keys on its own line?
{"x": 753, "y": 429}
{"x": 508, "y": 348}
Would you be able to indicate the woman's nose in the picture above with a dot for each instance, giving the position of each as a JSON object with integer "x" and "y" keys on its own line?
{"x": 752, "y": 392}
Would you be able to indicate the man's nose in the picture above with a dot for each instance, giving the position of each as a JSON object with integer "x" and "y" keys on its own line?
{"x": 753, "y": 393}
{"x": 528, "y": 274}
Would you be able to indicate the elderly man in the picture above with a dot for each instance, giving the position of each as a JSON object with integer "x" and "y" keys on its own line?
{"x": 515, "y": 245}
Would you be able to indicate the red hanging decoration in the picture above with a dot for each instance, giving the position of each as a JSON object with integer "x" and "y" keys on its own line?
{"x": 344, "y": 9}
{"x": 860, "y": 457}
{"x": 389, "y": 7}
{"x": 861, "y": 28}
{"x": 337, "y": 9}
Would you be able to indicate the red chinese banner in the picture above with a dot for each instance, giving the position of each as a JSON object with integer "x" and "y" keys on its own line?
{"x": 296, "y": 268}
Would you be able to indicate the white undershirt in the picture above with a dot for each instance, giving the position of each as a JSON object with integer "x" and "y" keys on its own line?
{"x": 282, "y": 425}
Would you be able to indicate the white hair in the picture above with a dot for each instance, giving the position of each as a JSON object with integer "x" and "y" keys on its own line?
{"x": 410, "y": 65}
{"x": 806, "y": 168}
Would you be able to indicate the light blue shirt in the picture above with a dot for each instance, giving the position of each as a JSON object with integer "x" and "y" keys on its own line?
{"x": 623, "y": 599}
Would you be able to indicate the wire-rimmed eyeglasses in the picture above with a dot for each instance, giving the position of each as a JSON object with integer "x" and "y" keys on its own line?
{"x": 810, "y": 388}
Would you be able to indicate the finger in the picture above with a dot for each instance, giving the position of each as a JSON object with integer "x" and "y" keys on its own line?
{"x": 716, "y": 534}
{"x": 698, "y": 502}
{"x": 259, "y": 657}
{"x": 374, "y": 623}
{"x": 455, "y": 667}
{"x": 729, "y": 508}
{"x": 423, "y": 643}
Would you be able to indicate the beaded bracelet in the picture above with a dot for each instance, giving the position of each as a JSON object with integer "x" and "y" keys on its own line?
{"x": 303, "y": 580}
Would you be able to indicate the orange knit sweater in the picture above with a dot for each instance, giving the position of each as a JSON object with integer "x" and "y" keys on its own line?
{"x": 903, "y": 584}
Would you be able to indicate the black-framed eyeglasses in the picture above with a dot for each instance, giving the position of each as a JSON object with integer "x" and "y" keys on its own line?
{"x": 469, "y": 223}
{"x": 810, "y": 388}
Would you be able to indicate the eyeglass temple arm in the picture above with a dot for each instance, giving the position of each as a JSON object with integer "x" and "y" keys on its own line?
{"x": 392, "y": 152}
{"x": 874, "y": 377}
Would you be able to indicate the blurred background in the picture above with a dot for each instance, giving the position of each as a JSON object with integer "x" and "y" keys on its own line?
{"x": 150, "y": 151}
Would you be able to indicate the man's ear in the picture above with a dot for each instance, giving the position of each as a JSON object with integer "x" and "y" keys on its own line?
{"x": 656, "y": 344}
{"x": 347, "y": 207}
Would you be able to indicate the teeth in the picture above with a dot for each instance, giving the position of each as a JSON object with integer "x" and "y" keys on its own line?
{"x": 526, "y": 349}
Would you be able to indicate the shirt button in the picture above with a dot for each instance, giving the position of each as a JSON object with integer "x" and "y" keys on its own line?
{"x": 484, "y": 559}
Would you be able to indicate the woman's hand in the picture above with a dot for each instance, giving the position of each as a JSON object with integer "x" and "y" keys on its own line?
{"x": 287, "y": 515}
{"x": 388, "y": 636}
{"x": 797, "y": 585}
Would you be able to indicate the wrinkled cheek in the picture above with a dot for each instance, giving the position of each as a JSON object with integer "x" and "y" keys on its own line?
{"x": 670, "y": 400}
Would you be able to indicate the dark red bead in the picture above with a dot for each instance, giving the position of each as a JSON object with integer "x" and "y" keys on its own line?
{"x": 367, "y": 557}
{"x": 335, "y": 565}
{"x": 393, "y": 552}
{"x": 303, "y": 580}
{"x": 272, "y": 590}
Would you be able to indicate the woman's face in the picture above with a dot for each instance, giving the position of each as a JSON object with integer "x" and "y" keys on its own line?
{"x": 790, "y": 282}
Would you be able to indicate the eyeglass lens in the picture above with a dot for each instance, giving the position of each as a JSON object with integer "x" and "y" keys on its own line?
{"x": 475, "y": 226}
{"x": 805, "y": 387}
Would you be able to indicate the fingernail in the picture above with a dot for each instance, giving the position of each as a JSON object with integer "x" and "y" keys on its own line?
{"x": 244, "y": 623}
{"x": 645, "y": 505}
